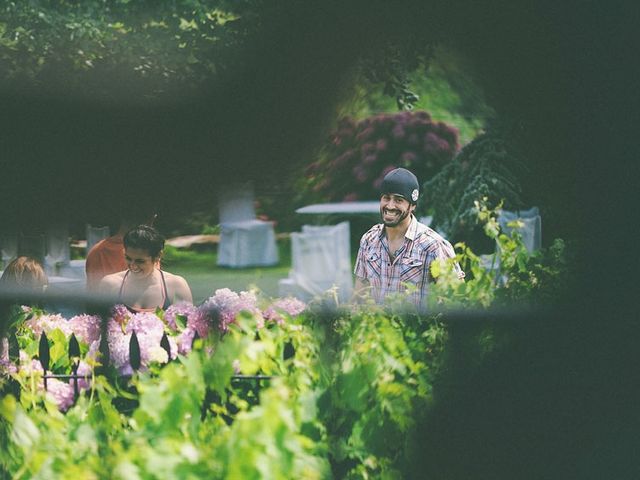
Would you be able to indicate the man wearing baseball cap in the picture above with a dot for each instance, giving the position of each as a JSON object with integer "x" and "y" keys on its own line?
{"x": 399, "y": 251}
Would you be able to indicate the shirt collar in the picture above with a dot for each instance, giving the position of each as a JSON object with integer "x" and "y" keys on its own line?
{"x": 413, "y": 228}
{"x": 410, "y": 233}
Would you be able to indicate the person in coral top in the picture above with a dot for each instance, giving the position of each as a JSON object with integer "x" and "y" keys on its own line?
{"x": 107, "y": 256}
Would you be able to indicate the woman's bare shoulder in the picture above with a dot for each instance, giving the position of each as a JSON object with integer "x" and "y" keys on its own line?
{"x": 112, "y": 280}
{"x": 179, "y": 286}
{"x": 172, "y": 277}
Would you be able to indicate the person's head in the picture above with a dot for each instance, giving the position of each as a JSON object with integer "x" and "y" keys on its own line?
{"x": 398, "y": 196}
{"x": 143, "y": 247}
{"x": 24, "y": 273}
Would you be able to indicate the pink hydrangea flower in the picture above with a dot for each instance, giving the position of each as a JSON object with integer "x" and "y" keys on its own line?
{"x": 47, "y": 323}
{"x": 199, "y": 322}
{"x": 185, "y": 341}
{"x": 94, "y": 350}
{"x": 247, "y": 302}
{"x": 185, "y": 309}
{"x": 120, "y": 314}
{"x": 28, "y": 364}
{"x": 60, "y": 392}
{"x": 118, "y": 342}
{"x": 226, "y": 304}
{"x": 289, "y": 306}
{"x": 86, "y": 328}
{"x": 149, "y": 330}
{"x": 6, "y": 366}
{"x": 84, "y": 372}
{"x": 147, "y": 324}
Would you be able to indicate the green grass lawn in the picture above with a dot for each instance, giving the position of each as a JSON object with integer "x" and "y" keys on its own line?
{"x": 200, "y": 270}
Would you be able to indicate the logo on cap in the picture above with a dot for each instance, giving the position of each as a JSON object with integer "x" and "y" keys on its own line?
{"x": 414, "y": 194}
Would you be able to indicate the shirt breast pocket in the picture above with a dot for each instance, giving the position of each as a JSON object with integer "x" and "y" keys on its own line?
{"x": 373, "y": 264}
{"x": 411, "y": 270}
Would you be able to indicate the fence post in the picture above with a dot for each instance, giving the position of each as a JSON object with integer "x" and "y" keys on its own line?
{"x": 164, "y": 343}
{"x": 74, "y": 356}
{"x": 44, "y": 356}
{"x": 134, "y": 351}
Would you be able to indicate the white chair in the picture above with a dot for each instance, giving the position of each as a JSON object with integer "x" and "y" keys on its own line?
{"x": 244, "y": 240}
{"x": 58, "y": 250}
{"x": 531, "y": 231}
{"x": 321, "y": 260}
{"x": 95, "y": 234}
{"x": 236, "y": 203}
{"x": 76, "y": 269}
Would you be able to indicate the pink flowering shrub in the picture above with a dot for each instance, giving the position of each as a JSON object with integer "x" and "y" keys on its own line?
{"x": 149, "y": 329}
{"x": 183, "y": 310}
{"x": 359, "y": 153}
{"x": 6, "y": 366}
{"x": 181, "y": 323}
{"x": 283, "y": 306}
{"x": 47, "y": 323}
{"x": 120, "y": 314}
{"x": 60, "y": 392}
{"x": 86, "y": 328}
{"x": 225, "y": 305}
{"x": 187, "y": 320}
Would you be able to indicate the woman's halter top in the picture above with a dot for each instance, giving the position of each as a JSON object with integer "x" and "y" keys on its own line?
{"x": 165, "y": 296}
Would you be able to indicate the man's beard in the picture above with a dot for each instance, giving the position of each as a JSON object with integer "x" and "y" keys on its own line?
{"x": 399, "y": 219}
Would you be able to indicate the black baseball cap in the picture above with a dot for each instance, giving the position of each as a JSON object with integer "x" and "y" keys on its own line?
{"x": 401, "y": 182}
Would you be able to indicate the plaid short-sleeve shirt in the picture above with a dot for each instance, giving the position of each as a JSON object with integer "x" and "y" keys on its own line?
{"x": 410, "y": 266}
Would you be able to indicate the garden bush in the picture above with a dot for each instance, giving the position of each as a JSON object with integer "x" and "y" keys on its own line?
{"x": 489, "y": 170}
{"x": 359, "y": 154}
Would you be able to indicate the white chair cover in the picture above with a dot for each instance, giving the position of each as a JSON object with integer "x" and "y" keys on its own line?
{"x": 74, "y": 270}
{"x": 58, "y": 248}
{"x": 235, "y": 203}
{"x": 426, "y": 220}
{"x": 532, "y": 229}
{"x": 66, "y": 284}
{"x": 531, "y": 233}
{"x": 244, "y": 240}
{"x": 321, "y": 259}
{"x": 246, "y": 244}
{"x": 95, "y": 234}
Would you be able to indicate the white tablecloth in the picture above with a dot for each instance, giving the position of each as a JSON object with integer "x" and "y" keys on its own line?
{"x": 321, "y": 260}
{"x": 372, "y": 207}
{"x": 249, "y": 243}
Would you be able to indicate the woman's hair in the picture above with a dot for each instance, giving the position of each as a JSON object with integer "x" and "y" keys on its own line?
{"x": 146, "y": 238}
{"x": 24, "y": 272}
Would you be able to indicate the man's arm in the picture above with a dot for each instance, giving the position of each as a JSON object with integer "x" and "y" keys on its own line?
{"x": 447, "y": 255}
{"x": 93, "y": 272}
{"x": 360, "y": 289}
{"x": 362, "y": 283}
